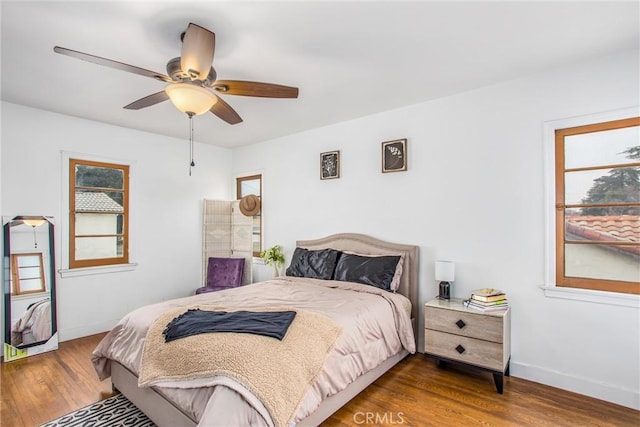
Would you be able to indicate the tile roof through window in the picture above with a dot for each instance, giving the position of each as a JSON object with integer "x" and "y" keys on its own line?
{"x": 607, "y": 228}
{"x": 96, "y": 202}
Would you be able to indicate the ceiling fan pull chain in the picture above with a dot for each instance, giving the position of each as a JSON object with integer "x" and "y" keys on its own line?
{"x": 35, "y": 238}
{"x": 192, "y": 163}
{"x": 192, "y": 152}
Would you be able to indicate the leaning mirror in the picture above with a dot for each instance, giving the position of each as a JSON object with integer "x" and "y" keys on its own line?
{"x": 29, "y": 287}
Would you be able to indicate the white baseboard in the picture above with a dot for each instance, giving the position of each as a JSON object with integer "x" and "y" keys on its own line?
{"x": 86, "y": 330}
{"x": 608, "y": 392}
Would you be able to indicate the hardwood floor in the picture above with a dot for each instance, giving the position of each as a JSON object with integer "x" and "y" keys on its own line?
{"x": 46, "y": 386}
{"x": 414, "y": 393}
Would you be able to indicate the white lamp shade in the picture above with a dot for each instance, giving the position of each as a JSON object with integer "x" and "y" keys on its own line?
{"x": 191, "y": 98}
{"x": 445, "y": 271}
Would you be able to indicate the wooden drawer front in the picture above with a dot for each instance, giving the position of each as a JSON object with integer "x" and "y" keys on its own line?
{"x": 476, "y": 352}
{"x": 481, "y": 326}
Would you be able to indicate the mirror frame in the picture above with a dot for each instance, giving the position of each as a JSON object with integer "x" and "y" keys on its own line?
{"x": 11, "y": 352}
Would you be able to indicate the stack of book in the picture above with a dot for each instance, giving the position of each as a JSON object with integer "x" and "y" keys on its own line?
{"x": 487, "y": 299}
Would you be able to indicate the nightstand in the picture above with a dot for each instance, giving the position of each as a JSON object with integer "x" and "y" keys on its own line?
{"x": 454, "y": 333}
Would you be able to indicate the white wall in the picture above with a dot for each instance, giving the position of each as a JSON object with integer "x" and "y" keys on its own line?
{"x": 166, "y": 208}
{"x": 473, "y": 194}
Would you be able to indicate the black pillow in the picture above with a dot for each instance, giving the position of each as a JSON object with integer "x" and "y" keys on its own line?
{"x": 313, "y": 264}
{"x": 376, "y": 271}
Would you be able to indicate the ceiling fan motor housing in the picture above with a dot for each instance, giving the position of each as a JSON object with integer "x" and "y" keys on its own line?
{"x": 175, "y": 72}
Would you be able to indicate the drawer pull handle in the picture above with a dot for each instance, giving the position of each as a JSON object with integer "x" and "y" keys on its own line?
{"x": 461, "y": 324}
{"x": 460, "y": 349}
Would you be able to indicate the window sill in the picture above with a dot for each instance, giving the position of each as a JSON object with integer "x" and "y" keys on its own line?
{"x": 30, "y": 296}
{"x": 588, "y": 295}
{"x": 88, "y": 271}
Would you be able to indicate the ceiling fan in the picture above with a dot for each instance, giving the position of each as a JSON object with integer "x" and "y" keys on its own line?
{"x": 192, "y": 79}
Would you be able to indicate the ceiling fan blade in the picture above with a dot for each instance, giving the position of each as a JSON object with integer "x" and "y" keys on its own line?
{"x": 111, "y": 63}
{"x": 148, "y": 101}
{"x": 265, "y": 90}
{"x": 196, "y": 56}
{"x": 225, "y": 112}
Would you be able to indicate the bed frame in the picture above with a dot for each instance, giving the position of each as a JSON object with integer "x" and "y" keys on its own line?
{"x": 164, "y": 413}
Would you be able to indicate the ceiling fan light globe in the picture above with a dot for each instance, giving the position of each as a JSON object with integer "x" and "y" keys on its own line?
{"x": 191, "y": 98}
{"x": 34, "y": 222}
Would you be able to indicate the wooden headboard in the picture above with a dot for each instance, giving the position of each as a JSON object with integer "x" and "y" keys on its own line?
{"x": 367, "y": 245}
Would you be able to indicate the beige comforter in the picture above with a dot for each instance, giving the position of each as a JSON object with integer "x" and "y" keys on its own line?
{"x": 253, "y": 360}
{"x": 376, "y": 325}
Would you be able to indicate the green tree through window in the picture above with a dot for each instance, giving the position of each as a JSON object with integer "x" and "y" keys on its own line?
{"x": 621, "y": 185}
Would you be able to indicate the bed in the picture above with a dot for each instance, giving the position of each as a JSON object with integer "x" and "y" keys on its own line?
{"x": 222, "y": 400}
{"x": 34, "y": 325}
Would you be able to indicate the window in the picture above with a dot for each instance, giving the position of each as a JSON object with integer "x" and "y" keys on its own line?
{"x": 252, "y": 185}
{"x": 597, "y": 206}
{"x": 98, "y": 213}
{"x": 27, "y": 274}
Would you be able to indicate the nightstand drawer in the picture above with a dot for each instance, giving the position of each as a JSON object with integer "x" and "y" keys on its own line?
{"x": 481, "y": 326}
{"x": 473, "y": 351}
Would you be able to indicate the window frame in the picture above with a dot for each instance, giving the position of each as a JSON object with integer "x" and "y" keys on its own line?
{"x": 239, "y": 181}
{"x": 15, "y": 274}
{"x": 549, "y": 286}
{"x": 583, "y": 282}
{"x": 98, "y": 262}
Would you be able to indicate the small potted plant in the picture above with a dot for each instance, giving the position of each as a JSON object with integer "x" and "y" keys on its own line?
{"x": 274, "y": 258}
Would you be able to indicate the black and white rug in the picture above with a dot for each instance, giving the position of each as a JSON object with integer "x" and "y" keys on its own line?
{"x": 115, "y": 411}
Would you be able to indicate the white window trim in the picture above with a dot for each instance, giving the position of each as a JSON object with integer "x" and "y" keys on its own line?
{"x": 549, "y": 287}
{"x": 65, "y": 271}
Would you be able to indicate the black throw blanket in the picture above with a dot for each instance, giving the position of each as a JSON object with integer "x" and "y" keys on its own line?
{"x": 195, "y": 321}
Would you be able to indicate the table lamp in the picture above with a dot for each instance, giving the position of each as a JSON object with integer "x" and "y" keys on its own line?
{"x": 445, "y": 273}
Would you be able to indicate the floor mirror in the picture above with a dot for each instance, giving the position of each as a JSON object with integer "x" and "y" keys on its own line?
{"x": 30, "y": 322}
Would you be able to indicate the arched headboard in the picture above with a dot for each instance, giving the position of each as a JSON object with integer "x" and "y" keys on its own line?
{"x": 367, "y": 245}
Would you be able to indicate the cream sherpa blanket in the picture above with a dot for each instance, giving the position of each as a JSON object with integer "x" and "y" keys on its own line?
{"x": 278, "y": 373}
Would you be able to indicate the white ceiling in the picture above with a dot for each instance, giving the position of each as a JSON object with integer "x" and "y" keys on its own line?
{"x": 349, "y": 59}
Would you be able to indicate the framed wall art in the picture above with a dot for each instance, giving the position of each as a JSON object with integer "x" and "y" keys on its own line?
{"x": 394, "y": 155}
{"x": 330, "y": 165}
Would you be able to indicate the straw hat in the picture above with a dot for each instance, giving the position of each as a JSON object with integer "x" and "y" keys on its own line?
{"x": 250, "y": 205}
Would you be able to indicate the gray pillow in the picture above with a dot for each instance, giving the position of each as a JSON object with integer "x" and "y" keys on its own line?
{"x": 376, "y": 271}
{"x": 315, "y": 264}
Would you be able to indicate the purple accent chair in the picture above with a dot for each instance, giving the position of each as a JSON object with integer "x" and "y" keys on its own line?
{"x": 223, "y": 273}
